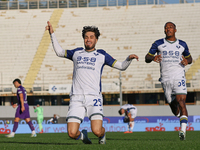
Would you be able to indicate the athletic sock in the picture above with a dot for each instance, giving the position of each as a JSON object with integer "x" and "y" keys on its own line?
{"x": 15, "y": 126}
{"x": 128, "y": 126}
{"x": 31, "y": 126}
{"x": 40, "y": 126}
{"x": 80, "y": 137}
{"x": 33, "y": 132}
{"x": 13, "y": 133}
{"x": 183, "y": 123}
{"x": 131, "y": 128}
{"x": 102, "y": 136}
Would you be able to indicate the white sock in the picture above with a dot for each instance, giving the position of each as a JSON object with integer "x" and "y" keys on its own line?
{"x": 183, "y": 127}
{"x": 132, "y": 123}
{"x": 82, "y": 136}
{"x": 13, "y": 133}
{"x": 33, "y": 132}
{"x": 128, "y": 126}
{"x": 183, "y": 124}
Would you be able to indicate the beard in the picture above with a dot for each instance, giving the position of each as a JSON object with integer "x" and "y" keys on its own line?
{"x": 90, "y": 47}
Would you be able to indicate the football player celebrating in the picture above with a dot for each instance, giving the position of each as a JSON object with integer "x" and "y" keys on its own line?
{"x": 173, "y": 55}
{"x": 85, "y": 93}
{"x": 130, "y": 112}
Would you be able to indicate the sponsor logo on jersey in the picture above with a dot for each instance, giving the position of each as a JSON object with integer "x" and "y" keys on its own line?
{"x": 177, "y": 46}
{"x": 96, "y": 54}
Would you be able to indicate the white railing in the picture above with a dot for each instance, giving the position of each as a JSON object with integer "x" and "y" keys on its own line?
{"x": 142, "y": 86}
{"x": 46, "y": 4}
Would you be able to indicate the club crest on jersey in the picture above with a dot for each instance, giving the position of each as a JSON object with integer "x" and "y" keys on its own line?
{"x": 177, "y": 46}
{"x": 96, "y": 54}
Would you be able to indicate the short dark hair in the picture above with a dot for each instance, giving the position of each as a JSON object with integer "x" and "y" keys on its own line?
{"x": 120, "y": 112}
{"x": 171, "y": 23}
{"x": 91, "y": 29}
{"x": 18, "y": 80}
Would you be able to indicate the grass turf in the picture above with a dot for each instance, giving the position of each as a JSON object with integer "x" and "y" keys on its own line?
{"x": 114, "y": 141}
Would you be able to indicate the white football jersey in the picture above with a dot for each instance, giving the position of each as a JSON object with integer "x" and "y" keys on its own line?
{"x": 171, "y": 53}
{"x": 131, "y": 108}
{"x": 88, "y": 67}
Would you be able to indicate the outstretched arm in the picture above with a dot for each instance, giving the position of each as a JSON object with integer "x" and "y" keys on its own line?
{"x": 56, "y": 46}
{"x": 124, "y": 65}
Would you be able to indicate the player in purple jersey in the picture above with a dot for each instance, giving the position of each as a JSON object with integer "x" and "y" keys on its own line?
{"x": 173, "y": 55}
{"x": 22, "y": 111}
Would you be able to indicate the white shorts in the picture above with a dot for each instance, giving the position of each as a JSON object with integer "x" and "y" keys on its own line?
{"x": 174, "y": 87}
{"x": 133, "y": 113}
{"x": 85, "y": 104}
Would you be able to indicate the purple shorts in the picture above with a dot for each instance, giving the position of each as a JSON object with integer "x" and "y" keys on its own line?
{"x": 22, "y": 115}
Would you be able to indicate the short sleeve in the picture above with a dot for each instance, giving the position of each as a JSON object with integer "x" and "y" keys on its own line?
{"x": 69, "y": 53}
{"x": 153, "y": 49}
{"x": 109, "y": 60}
{"x": 19, "y": 90}
{"x": 186, "y": 52}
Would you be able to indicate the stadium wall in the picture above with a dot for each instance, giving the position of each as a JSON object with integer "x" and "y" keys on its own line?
{"x": 9, "y": 112}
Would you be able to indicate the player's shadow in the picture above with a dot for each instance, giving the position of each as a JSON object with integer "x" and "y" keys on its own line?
{"x": 42, "y": 143}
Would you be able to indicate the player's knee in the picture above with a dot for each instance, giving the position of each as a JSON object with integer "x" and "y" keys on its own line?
{"x": 27, "y": 120}
{"x": 16, "y": 120}
{"x": 72, "y": 134}
{"x": 97, "y": 132}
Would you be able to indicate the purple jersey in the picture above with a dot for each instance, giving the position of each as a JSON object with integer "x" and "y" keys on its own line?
{"x": 22, "y": 90}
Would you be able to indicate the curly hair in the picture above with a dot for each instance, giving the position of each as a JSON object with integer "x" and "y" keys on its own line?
{"x": 91, "y": 29}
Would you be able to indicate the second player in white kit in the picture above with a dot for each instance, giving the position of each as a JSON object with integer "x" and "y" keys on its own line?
{"x": 173, "y": 55}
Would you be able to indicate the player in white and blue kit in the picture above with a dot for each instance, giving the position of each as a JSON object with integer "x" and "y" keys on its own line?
{"x": 173, "y": 55}
{"x": 130, "y": 112}
{"x": 85, "y": 96}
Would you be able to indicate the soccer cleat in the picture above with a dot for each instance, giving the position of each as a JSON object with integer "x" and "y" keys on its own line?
{"x": 130, "y": 131}
{"x": 102, "y": 140}
{"x": 10, "y": 136}
{"x": 86, "y": 140}
{"x": 182, "y": 135}
{"x": 33, "y": 135}
{"x": 126, "y": 132}
{"x": 41, "y": 131}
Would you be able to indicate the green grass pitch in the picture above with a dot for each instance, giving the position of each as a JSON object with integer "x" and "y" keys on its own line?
{"x": 115, "y": 141}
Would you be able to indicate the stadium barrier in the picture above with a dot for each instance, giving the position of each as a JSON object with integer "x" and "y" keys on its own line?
{"x": 111, "y": 124}
{"x": 46, "y": 4}
{"x": 111, "y": 127}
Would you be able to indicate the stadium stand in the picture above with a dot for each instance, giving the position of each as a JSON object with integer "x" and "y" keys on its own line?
{"x": 123, "y": 31}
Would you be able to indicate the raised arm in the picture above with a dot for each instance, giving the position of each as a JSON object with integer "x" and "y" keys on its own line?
{"x": 56, "y": 46}
{"x": 124, "y": 65}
